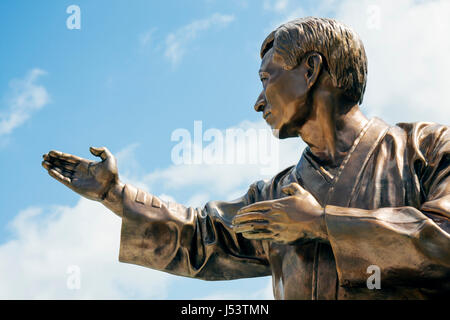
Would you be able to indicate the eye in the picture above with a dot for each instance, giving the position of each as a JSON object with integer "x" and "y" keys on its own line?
{"x": 263, "y": 76}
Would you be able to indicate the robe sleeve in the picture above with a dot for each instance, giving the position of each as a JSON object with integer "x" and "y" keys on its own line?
{"x": 191, "y": 242}
{"x": 411, "y": 246}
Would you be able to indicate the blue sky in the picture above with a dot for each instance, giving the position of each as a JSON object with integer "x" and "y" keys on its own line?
{"x": 135, "y": 72}
{"x": 106, "y": 88}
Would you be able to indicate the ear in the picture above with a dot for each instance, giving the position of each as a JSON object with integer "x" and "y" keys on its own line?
{"x": 313, "y": 63}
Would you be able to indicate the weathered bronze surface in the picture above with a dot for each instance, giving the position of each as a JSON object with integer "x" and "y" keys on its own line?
{"x": 363, "y": 193}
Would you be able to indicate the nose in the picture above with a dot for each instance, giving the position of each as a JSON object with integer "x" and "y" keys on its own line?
{"x": 260, "y": 103}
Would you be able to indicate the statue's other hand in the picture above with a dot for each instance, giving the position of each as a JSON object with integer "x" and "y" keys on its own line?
{"x": 284, "y": 220}
{"x": 90, "y": 179}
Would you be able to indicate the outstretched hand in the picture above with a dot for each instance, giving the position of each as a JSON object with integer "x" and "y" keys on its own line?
{"x": 88, "y": 178}
{"x": 285, "y": 220}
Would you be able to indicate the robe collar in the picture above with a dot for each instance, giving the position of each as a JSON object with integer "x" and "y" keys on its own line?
{"x": 337, "y": 187}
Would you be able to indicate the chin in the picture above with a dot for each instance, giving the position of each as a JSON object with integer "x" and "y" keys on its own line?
{"x": 276, "y": 133}
{"x": 287, "y": 131}
{"x": 283, "y": 131}
{"x": 282, "y": 134}
{"x": 275, "y": 130}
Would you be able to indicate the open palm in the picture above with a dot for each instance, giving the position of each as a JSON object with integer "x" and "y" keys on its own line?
{"x": 88, "y": 178}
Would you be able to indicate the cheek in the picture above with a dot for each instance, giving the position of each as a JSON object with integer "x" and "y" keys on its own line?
{"x": 296, "y": 96}
{"x": 283, "y": 106}
{"x": 295, "y": 88}
{"x": 288, "y": 90}
{"x": 275, "y": 99}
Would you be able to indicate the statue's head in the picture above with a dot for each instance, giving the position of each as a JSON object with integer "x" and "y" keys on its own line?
{"x": 307, "y": 57}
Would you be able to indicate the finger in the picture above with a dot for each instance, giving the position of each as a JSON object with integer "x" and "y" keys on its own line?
{"x": 46, "y": 165}
{"x": 293, "y": 189}
{"x": 61, "y": 163}
{"x": 101, "y": 152}
{"x": 58, "y": 176}
{"x": 259, "y": 235}
{"x": 65, "y": 173}
{"x": 252, "y": 227}
{"x": 258, "y": 206}
{"x": 64, "y": 156}
{"x": 48, "y": 158}
{"x": 251, "y": 216}
{"x": 65, "y": 168}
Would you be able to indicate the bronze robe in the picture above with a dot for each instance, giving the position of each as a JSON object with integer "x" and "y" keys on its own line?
{"x": 388, "y": 204}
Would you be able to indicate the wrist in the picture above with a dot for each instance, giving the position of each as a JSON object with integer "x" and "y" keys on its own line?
{"x": 114, "y": 198}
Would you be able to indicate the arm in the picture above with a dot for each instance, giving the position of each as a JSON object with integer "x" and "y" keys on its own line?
{"x": 197, "y": 243}
{"x": 409, "y": 248}
{"x": 191, "y": 242}
{"x": 410, "y": 245}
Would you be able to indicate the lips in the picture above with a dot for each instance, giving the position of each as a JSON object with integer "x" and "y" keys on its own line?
{"x": 266, "y": 114}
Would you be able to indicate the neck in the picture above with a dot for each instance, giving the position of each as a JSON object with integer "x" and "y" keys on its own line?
{"x": 329, "y": 132}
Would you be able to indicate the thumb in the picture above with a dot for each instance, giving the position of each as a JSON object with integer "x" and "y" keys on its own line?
{"x": 293, "y": 189}
{"x": 101, "y": 152}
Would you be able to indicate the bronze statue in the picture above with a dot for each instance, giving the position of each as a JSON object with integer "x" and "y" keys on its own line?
{"x": 363, "y": 194}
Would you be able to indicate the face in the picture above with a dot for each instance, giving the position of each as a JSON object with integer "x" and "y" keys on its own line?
{"x": 283, "y": 97}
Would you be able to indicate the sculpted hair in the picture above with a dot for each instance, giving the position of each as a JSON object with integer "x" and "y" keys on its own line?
{"x": 341, "y": 47}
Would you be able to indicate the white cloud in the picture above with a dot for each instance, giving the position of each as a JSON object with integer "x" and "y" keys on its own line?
{"x": 26, "y": 98}
{"x": 265, "y": 293}
{"x": 224, "y": 179}
{"x": 34, "y": 264}
{"x": 198, "y": 200}
{"x": 177, "y": 41}
{"x": 276, "y": 5}
{"x": 407, "y": 46}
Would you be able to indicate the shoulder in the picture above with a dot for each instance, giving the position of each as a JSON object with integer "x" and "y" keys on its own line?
{"x": 428, "y": 149}
{"x": 427, "y": 138}
{"x": 428, "y": 130}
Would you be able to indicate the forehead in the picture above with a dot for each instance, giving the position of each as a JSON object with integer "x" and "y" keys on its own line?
{"x": 267, "y": 63}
